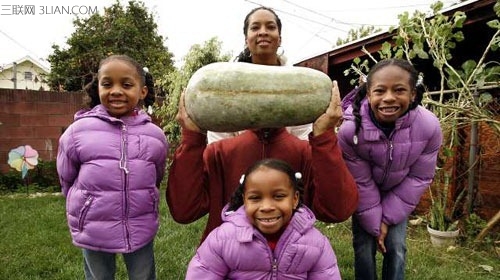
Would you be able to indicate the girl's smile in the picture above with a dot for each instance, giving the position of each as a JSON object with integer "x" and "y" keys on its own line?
{"x": 268, "y": 222}
{"x": 269, "y": 199}
{"x": 390, "y": 93}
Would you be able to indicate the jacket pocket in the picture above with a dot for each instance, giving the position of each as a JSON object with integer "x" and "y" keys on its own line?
{"x": 154, "y": 198}
{"x": 84, "y": 211}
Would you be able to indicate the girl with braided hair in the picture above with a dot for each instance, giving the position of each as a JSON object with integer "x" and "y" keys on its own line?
{"x": 267, "y": 233}
{"x": 111, "y": 161}
{"x": 390, "y": 144}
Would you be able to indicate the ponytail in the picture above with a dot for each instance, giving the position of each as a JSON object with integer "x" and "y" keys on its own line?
{"x": 150, "y": 98}
{"x": 356, "y": 106}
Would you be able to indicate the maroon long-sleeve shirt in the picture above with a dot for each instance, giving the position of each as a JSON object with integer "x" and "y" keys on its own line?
{"x": 202, "y": 178}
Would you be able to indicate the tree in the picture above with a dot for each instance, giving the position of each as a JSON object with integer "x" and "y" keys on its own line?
{"x": 127, "y": 30}
{"x": 358, "y": 33}
{"x": 175, "y": 81}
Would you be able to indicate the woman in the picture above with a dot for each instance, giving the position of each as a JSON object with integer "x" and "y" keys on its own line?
{"x": 262, "y": 40}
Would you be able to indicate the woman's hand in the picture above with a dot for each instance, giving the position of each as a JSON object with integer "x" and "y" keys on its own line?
{"x": 183, "y": 118}
{"x": 333, "y": 113}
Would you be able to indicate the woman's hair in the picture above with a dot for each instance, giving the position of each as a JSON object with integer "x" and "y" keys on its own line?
{"x": 363, "y": 88}
{"x": 272, "y": 163}
{"x": 92, "y": 88}
{"x": 245, "y": 55}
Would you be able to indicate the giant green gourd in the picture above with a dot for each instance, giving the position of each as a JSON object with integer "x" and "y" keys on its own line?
{"x": 233, "y": 96}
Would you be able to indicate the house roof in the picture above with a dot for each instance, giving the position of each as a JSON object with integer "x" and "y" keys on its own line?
{"x": 337, "y": 60}
{"x": 381, "y": 36}
{"x": 24, "y": 59}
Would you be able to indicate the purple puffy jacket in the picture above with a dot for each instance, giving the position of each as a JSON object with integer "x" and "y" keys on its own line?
{"x": 391, "y": 173}
{"x": 110, "y": 170}
{"x": 237, "y": 250}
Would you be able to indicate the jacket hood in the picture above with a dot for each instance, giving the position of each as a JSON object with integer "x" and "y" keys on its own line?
{"x": 349, "y": 99}
{"x": 100, "y": 112}
{"x": 302, "y": 220}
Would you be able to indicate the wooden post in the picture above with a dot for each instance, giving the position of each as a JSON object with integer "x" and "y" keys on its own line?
{"x": 489, "y": 226}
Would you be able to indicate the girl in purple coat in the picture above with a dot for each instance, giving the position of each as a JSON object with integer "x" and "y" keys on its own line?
{"x": 110, "y": 162}
{"x": 266, "y": 232}
{"x": 390, "y": 145}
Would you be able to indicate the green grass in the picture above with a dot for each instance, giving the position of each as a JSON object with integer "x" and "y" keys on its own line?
{"x": 35, "y": 244}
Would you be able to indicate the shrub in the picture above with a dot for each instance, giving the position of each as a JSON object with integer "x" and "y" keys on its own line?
{"x": 43, "y": 178}
{"x": 10, "y": 181}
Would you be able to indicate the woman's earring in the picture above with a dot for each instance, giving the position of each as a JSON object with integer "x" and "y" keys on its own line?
{"x": 280, "y": 51}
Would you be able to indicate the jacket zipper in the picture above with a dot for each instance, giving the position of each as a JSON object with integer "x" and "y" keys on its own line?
{"x": 274, "y": 260}
{"x": 123, "y": 155}
{"x": 389, "y": 159}
{"x": 155, "y": 204}
{"x": 274, "y": 266}
{"x": 123, "y": 166}
{"x": 264, "y": 141}
{"x": 83, "y": 212}
{"x": 278, "y": 251}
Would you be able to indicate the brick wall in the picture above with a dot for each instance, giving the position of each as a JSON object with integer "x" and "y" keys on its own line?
{"x": 35, "y": 118}
{"x": 487, "y": 200}
{"x": 488, "y": 197}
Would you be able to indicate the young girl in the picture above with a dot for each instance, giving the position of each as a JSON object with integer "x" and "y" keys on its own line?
{"x": 390, "y": 144}
{"x": 111, "y": 161}
{"x": 267, "y": 232}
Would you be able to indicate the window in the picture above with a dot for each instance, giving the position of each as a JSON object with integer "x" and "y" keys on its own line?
{"x": 28, "y": 76}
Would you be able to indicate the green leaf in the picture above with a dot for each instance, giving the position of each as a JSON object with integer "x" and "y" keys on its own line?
{"x": 447, "y": 152}
{"x": 485, "y": 98}
{"x": 422, "y": 54}
{"x": 459, "y": 19}
{"x": 459, "y": 36}
{"x": 469, "y": 66}
{"x": 494, "y": 24}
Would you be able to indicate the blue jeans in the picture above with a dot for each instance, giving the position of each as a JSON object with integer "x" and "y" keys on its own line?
{"x": 365, "y": 248}
{"x": 102, "y": 266}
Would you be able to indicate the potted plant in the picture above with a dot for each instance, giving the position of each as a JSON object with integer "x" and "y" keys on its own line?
{"x": 442, "y": 222}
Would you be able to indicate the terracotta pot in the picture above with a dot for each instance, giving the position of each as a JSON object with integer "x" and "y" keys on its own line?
{"x": 442, "y": 238}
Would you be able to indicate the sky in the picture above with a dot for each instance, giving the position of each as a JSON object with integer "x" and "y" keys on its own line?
{"x": 310, "y": 27}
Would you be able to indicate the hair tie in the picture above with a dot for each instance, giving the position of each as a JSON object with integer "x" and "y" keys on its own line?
{"x": 420, "y": 80}
{"x": 242, "y": 179}
{"x": 298, "y": 175}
